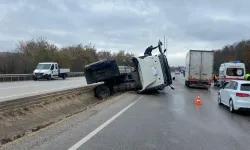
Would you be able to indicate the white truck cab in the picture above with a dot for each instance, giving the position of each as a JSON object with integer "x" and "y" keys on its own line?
{"x": 49, "y": 70}
{"x": 234, "y": 70}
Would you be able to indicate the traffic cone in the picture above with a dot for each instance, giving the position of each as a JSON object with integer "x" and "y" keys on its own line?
{"x": 198, "y": 100}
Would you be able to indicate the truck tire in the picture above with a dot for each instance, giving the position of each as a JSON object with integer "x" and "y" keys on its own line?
{"x": 102, "y": 92}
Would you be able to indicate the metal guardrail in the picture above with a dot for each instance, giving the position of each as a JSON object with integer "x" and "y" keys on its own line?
{"x": 25, "y": 77}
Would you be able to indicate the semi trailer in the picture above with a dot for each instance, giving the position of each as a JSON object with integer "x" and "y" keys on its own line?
{"x": 199, "y": 68}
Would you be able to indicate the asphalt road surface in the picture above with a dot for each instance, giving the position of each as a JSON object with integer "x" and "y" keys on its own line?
{"x": 12, "y": 90}
{"x": 168, "y": 120}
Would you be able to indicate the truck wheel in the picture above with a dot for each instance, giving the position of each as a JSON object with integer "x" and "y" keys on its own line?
{"x": 102, "y": 91}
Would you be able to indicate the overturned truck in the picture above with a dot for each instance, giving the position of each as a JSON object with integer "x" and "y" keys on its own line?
{"x": 147, "y": 73}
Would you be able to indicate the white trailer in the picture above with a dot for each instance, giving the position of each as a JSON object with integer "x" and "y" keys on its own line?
{"x": 50, "y": 70}
{"x": 199, "y": 68}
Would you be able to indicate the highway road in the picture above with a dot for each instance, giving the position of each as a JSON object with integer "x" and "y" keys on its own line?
{"x": 12, "y": 90}
{"x": 168, "y": 120}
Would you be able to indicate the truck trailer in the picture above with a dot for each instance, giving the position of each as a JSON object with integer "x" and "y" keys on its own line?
{"x": 147, "y": 73}
{"x": 199, "y": 68}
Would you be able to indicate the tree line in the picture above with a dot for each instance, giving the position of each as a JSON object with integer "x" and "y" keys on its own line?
{"x": 237, "y": 51}
{"x": 27, "y": 54}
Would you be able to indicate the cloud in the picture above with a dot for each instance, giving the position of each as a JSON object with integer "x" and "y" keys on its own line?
{"x": 126, "y": 24}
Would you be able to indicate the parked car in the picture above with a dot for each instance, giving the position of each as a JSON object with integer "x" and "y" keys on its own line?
{"x": 235, "y": 94}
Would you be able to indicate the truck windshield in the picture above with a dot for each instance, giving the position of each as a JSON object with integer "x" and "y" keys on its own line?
{"x": 235, "y": 71}
{"x": 43, "y": 66}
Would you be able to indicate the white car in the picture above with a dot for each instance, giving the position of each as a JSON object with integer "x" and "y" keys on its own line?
{"x": 235, "y": 94}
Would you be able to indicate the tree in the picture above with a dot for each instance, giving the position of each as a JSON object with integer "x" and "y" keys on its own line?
{"x": 28, "y": 54}
{"x": 236, "y": 51}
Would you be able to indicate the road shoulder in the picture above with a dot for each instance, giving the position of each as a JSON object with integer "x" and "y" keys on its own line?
{"x": 66, "y": 132}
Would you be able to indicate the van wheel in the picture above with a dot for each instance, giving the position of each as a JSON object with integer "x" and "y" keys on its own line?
{"x": 63, "y": 76}
{"x": 48, "y": 77}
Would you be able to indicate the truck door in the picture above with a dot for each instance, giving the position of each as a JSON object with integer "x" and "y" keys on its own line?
{"x": 53, "y": 71}
{"x": 56, "y": 70}
{"x": 195, "y": 65}
{"x": 207, "y": 59}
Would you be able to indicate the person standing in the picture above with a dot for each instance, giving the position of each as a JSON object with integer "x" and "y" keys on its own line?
{"x": 247, "y": 77}
{"x": 148, "y": 51}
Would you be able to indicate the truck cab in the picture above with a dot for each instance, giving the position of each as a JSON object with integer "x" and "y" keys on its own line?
{"x": 153, "y": 71}
{"x": 234, "y": 70}
{"x": 49, "y": 70}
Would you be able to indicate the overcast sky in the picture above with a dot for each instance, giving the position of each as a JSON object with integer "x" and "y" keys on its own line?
{"x": 130, "y": 25}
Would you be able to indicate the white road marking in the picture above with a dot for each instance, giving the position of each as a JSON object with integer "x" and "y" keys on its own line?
{"x": 93, "y": 133}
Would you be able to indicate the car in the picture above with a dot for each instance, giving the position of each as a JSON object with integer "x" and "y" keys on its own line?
{"x": 235, "y": 94}
{"x": 177, "y": 72}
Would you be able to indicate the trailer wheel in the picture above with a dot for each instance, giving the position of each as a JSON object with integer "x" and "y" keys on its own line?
{"x": 102, "y": 91}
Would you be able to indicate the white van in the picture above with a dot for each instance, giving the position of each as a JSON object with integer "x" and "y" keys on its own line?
{"x": 234, "y": 70}
{"x": 50, "y": 70}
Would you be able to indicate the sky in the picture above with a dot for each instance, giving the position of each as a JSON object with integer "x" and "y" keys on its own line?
{"x": 130, "y": 25}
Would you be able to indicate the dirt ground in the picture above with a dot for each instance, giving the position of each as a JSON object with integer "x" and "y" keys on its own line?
{"x": 20, "y": 122}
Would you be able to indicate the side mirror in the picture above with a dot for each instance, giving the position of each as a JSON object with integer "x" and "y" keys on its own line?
{"x": 165, "y": 50}
{"x": 173, "y": 78}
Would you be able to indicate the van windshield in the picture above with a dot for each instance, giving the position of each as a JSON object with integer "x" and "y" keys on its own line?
{"x": 43, "y": 66}
{"x": 235, "y": 71}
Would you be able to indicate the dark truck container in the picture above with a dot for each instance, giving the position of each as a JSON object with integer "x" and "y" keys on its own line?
{"x": 101, "y": 71}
